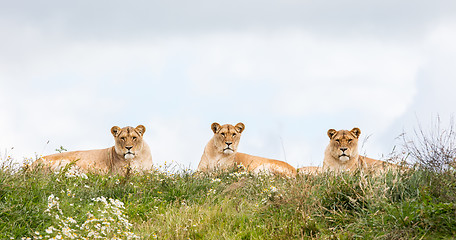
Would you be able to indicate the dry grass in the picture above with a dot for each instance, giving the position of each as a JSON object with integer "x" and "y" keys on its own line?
{"x": 417, "y": 203}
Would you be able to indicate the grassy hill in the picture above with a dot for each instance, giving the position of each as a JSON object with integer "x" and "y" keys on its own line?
{"x": 416, "y": 204}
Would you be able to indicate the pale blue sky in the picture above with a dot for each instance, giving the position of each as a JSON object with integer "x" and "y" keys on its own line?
{"x": 289, "y": 70}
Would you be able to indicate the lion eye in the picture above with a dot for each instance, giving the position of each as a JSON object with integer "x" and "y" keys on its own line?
{"x": 349, "y": 140}
{"x": 123, "y": 138}
{"x": 337, "y": 140}
{"x": 234, "y": 134}
{"x": 223, "y": 134}
{"x": 134, "y": 138}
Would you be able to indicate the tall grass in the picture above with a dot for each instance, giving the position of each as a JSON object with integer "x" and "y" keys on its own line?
{"x": 228, "y": 205}
{"x": 433, "y": 148}
{"x": 168, "y": 203}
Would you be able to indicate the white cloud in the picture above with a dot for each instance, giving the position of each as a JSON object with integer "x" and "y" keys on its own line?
{"x": 71, "y": 90}
{"x": 178, "y": 140}
{"x": 263, "y": 74}
{"x": 310, "y": 75}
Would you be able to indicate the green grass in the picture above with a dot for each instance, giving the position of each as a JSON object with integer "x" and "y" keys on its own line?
{"x": 416, "y": 204}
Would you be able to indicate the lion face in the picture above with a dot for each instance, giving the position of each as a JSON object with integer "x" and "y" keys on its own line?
{"x": 343, "y": 144}
{"x": 226, "y": 137}
{"x": 129, "y": 140}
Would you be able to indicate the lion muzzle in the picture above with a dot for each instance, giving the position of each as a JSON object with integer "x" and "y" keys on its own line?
{"x": 129, "y": 155}
{"x": 228, "y": 150}
{"x": 343, "y": 156}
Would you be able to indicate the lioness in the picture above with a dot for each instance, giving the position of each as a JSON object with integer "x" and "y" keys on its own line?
{"x": 221, "y": 153}
{"x": 342, "y": 153}
{"x": 129, "y": 152}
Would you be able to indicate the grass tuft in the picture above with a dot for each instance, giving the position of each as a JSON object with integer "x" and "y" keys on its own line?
{"x": 231, "y": 205}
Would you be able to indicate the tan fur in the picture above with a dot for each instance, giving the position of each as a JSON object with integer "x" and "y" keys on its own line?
{"x": 342, "y": 153}
{"x": 221, "y": 153}
{"x": 130, "y": 152}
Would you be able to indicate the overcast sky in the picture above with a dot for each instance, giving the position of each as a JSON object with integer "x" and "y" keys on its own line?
{"x": 289, "y": 70}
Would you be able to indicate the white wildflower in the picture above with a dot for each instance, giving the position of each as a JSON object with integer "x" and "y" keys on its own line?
{"x": 272, "y": 189}
{"x": 71, "y": 220}
{"x": 211, "y": 191}
{"x": 74, "y": 171}
{"x": 108, "y": 221}
{"x": 215, "y": 180}
{"x": 50, "y": 229}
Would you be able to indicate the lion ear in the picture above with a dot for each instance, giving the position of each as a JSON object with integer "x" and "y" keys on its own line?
{"x": 115, "y": 131}
{"x": 141, "y": 129}
{"x": 215, "y": 127}
{"x": 356, "y": 131}
{"x": 239, "y": 127}
{"x": 331, "y": 133}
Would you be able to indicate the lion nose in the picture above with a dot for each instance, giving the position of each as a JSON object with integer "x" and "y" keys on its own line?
{"x": 343, "y": 149}
{"x": 128, "y": 148}
{"x": 228, "y": 143}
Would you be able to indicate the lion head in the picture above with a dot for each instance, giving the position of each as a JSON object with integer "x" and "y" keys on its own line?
{"x": 343, "y": 144}
{"x": 129, "y": 140}
{"x": 226, "y": 137}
